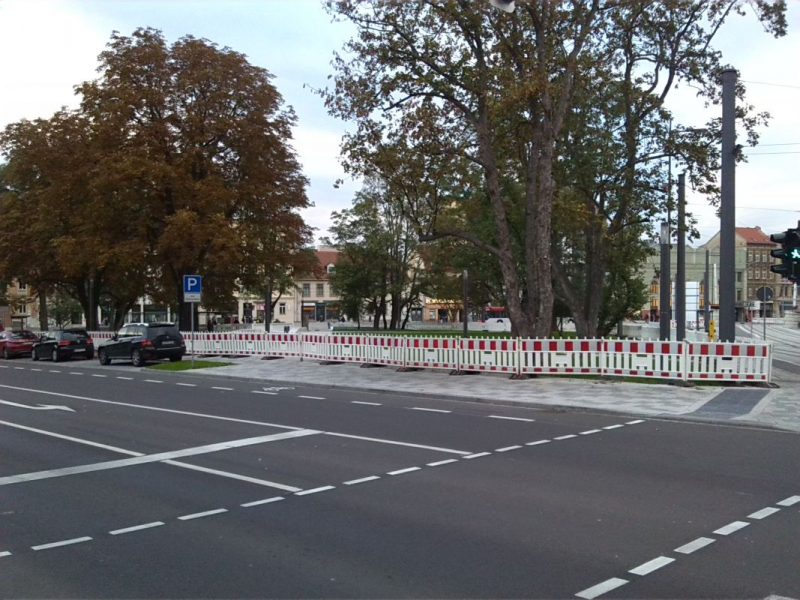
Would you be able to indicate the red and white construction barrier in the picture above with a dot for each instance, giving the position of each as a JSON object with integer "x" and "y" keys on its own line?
{"x": 686, "y": 361}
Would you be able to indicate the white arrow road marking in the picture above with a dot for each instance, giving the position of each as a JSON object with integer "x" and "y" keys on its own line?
{"x": 39, "y": 407}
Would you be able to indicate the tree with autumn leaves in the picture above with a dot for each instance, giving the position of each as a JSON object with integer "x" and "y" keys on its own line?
{"x": 177, "y": 162}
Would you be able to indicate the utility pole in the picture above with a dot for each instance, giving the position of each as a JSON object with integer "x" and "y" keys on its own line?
{"x": 465, "y": 285}
{"x": 664, "y": 313}
{"x": 727, "y": 259}
{"x": 680, "y": 274}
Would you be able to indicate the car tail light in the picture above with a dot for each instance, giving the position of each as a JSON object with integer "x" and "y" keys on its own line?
{"x": 64, "y": 343}
{"x": 147, "y": 343}
{"x": 89, "y": 341}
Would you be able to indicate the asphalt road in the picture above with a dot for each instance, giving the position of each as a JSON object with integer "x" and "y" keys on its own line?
{"x": 117, "y": 482}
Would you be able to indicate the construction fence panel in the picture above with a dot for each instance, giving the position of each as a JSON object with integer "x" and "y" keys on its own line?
{"x": 433, "y": 353}
{"x": 562, "y": 357}
{"x": 346, "y": 347}
{"x": 491, "y": 355}
{"x": 284, "y": 345}
{"x": 649, "y": 359}
{"x": 383, "y": 350}
{"x": 729, "y": 361}
{"x": 316, "y": 346}
{"x": 202, "y": 343}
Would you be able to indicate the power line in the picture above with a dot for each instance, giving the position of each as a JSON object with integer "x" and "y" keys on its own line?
{"x": 784, "y": 85}
{"x": 770, "y": 153}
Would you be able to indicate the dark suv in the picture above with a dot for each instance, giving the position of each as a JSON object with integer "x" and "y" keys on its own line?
{"x": 63, "y": 344}
{"x": 141, "y": 342}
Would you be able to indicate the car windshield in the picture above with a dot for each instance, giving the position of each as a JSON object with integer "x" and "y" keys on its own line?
{"x": 24, "y": 335}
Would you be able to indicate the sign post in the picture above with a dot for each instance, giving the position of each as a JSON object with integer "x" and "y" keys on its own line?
{"x": 192, "y": 292}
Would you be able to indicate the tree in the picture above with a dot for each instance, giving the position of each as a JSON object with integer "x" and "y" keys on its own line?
{"x": 503, "y": 94}
{"x": 177, "y": 162}
{"x": 377, "y": 268}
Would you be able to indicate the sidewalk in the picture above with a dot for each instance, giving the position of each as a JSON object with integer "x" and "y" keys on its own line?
{"x": 778, "y": 408}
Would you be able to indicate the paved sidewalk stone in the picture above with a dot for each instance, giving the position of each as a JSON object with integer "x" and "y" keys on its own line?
{"x": 780, "y": 408}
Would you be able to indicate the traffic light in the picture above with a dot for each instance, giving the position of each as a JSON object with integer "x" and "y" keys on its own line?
{"x": 789, "y": 254}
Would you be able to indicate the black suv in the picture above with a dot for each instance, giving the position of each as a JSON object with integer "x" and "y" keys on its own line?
{"x": 63, "y": 344}
{"x": 141, "y": 342}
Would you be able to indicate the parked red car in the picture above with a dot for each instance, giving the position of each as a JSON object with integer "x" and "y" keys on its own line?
{"x": 17, "y": 343}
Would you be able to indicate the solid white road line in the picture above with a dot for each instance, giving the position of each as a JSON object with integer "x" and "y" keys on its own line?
{"x": 402, "y": 471}
{"x": 652, "y": 565}
{"x": 601, "y": 588}
{"x": 264, "y": 501}
{"x": 731, "y": 528}
{"x": 200, "y": 515}
{"x": 366, "y": 403}
{"x": 791, "y": 501}
{"x": 136, "y": 528}
{"x": 538, "y": 443}
{"x": 395, "y": 443}
{"x": 695, "y": 545}
{"x": 147, "y": 407}
{"x": 763, "y": 513}
{"x": 312, "y": 397}
{"x": 508, "y": 448}
{"x": 566, "y": 437}
{"x": 236, "y": 476}
{"x": 71, "y": 439}
{"x": 511, "y": 418}
{"x": 324, "y": 488}
{"x": 151, "y": 458}
{"x": 439, "y": 463}
{"x": 61, "y": 543}
{"x": 364, "y": 479}
{"x": 433, "y": 410}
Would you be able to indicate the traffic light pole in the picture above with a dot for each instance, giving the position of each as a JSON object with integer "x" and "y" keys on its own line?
{"x": 727, "y": 260}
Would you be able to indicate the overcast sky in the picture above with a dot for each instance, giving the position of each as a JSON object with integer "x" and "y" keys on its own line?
{"x": 48, "y": 46}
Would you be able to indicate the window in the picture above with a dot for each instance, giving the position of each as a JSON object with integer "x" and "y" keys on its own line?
{"x": 282, "y": 308}
{"x": 331, "y": 268}
{"x": 22, "y": 286}
{"x": 306, "y": 289}
{"x": 320, "y": 290}
{"x": 738, "y": 277}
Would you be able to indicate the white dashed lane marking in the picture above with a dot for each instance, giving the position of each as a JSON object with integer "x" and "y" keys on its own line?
{"x": 508, "y": 448}
{"x": 153, "y": 381}
{"x": 477, "y": 455}
{"x": 590, "y": 432}
{"x": 763, "y": 513}
{"x": 370, "y": 478}
{"x": 652, "y": 565}
{"x": 79, "y": 540}
{"x": 2, "y": 554}
{"x": 187, "y": 384}
{"x": 433, "y": 410}
{"x": 731, "y": 528}
{"x": 200, "y": 515}
{"x": 791, "y": 501}
{"x": 264, "y": 501}
{"x": 695, "y": 545}
{"x": 226, "y": 389}
{"x": 366, "y": 403}
{"x": 566, "y": 437}
{"x": 402, "y": 471}
{"x": 136, "y": 528}
{"x": 538, "y": 443}
{"x": 511, "y": 418}
{"x": 439, "y": 463}
{"x": 312, "y": 397}
{"x": 601, "y": 588}
{"x": 324, "y": 488}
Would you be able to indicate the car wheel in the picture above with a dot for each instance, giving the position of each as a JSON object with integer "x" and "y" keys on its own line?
{"x": 137, "y": 358}
{"x": 102, "y": 356}
{"x": 56, "y": 357}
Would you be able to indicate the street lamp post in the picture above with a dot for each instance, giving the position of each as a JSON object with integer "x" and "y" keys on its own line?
{"x": 680, "y": 274}
{"x": 727, "y": 226}
{"x": 665, "y": 313}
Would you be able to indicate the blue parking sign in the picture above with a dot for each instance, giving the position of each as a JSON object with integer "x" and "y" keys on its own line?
{"x": 192, "y": 288}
